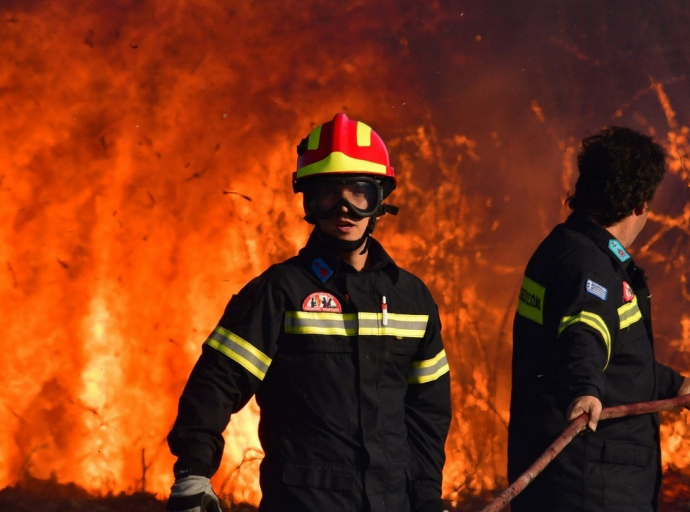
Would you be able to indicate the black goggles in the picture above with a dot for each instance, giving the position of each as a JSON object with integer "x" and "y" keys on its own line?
{"x": 361, "y": 196}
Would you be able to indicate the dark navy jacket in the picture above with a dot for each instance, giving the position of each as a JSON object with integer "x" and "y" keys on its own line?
{"x": 583, "y": 327}
{"x": 355, "y": 409}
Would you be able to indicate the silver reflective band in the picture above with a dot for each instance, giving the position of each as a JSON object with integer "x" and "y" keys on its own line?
{"x": 428, "y": 369}
{"x": 302, "y": 322}
{"x": 351, "y": 324}
{"x": 240, "y": 351}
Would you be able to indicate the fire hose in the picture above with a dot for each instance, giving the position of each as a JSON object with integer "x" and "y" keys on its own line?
{"x": 578, "y": 425}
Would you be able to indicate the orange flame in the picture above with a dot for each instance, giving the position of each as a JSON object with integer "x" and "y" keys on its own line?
{"x": 146, "y": 157}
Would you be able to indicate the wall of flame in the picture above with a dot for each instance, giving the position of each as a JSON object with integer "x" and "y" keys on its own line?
{"x": 145, "y": 157}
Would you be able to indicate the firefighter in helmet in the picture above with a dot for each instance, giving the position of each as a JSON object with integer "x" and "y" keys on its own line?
{"x": 342, "y": 349}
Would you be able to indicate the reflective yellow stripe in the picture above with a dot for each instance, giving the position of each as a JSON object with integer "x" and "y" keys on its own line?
{"x": 629, "y": 313}
{"x": 240, "y": 351}
{"x": 363, "y": 135}
{"x": 531, "y": 302}
{"x": 314, "y": 136}
{"x": 340, "y": 162}
{"x": 595, "y": 322}
{"x": 428, "y": 369}
{"x": 304, "y": 322}
{"x": 351, "y": 324}
{"x": 406, "y": 326}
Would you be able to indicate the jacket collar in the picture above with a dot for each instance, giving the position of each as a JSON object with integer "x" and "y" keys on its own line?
{"x": 324, "y": 262}
{"x": 585, "y": 224}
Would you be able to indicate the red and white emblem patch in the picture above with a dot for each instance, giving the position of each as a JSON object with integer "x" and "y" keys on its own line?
{"x": 321, "y": 301}
{"x": 628, "y": 293}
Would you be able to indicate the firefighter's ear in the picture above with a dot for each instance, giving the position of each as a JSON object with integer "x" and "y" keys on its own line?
{"x": 641, "y": 209}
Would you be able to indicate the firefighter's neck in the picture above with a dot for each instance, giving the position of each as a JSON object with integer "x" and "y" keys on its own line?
{"x": 356, "y": 259}
{"x": 626, "y": 230}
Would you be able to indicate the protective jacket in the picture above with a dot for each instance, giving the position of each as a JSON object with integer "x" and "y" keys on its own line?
{"x": 583, "y": 327}
{"x": 351, "y": 377}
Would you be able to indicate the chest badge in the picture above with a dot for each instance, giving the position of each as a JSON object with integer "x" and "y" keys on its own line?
{"x": 628, "y": 293}
{"x": 322, "y": 301}
{"x": 617, "y": 249}
{"x": 321, "y": 270}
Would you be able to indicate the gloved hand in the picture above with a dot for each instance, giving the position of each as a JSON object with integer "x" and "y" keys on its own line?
{"x": 192, "y": 494}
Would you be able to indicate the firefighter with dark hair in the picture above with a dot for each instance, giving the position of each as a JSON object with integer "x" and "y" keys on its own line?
{"x": 342, "y": 349}
{"x": 582, "y": 340}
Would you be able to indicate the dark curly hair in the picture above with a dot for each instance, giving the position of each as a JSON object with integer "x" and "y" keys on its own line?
{"x": 620, "y": 169}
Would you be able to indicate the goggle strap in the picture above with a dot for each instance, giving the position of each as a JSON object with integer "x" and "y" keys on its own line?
{"x": 367, "y": 234}
{"x": 389, "y": 208}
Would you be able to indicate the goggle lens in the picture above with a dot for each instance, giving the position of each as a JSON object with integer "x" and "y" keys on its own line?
{"x": 360, "y": 197}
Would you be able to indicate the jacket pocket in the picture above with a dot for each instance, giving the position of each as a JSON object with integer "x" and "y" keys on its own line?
{"x": 405, "y": 346}
{"x": 628, "y": 454}
{"x": 629, "y": 475}
{"x": 320, "y": 475}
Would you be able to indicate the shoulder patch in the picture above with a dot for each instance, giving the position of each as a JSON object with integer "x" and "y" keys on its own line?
{"x": 322, "y": 301}
{"x": 531, "y": 301}
{"x": 617, "y": 249}
{"x": 596, "y": 289}
{"x": 236, "y": 309}
{"x": 321, "y": 270}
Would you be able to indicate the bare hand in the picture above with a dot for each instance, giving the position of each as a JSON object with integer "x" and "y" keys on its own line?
{"x": 588, "y": 405}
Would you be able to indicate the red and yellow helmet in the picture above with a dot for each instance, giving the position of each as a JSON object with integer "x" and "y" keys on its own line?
{"x": 343, "y": 148}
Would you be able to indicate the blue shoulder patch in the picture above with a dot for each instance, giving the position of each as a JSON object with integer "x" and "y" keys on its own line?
{"x": 321, "y": 270}
{"x": 617, "y": 249}
{"x": 596, "y": 289}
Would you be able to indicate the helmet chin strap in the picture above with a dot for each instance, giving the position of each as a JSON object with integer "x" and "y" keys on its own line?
{"x": 340, "y": 245}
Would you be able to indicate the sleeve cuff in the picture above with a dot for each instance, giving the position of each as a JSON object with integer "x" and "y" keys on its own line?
{"x": 183, "y": 468}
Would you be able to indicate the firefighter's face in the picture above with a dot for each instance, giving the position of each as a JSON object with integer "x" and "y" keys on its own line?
{"x": 343, "y": 207}
{"x": 344, "y": 224}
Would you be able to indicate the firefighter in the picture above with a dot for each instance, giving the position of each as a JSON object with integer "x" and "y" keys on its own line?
{"x": 342, "y": 349}
{"x": 582, "y": 340}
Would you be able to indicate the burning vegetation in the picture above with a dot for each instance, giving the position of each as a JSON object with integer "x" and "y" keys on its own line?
{"x": 146, "y": 152}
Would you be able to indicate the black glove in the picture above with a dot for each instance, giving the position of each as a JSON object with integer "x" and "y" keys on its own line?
{"x": 192, "y": 494}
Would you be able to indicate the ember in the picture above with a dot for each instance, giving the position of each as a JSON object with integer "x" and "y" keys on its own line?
{"x": 145, "y": 176}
